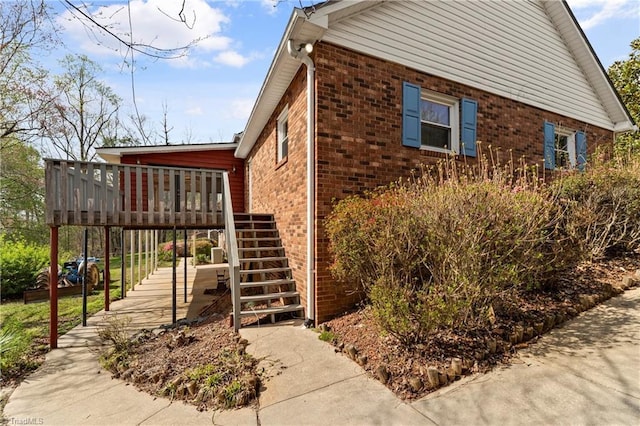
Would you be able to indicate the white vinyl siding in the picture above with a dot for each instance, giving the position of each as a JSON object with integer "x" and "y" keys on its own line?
{"x": 509, "y": 48}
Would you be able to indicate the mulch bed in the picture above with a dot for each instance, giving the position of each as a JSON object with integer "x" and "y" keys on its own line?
{"x": 410, "y": 372}
{"x": 160, "y": 359}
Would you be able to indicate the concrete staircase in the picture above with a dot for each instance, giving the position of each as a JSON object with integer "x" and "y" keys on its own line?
{"x": 266, "y": 283}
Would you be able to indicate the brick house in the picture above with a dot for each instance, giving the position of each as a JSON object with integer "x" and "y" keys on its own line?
{"x": 359, "y": 93}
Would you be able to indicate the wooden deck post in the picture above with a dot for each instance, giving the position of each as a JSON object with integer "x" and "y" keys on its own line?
{"x": 53, "y": 288}
{"x": 107, "y": 272}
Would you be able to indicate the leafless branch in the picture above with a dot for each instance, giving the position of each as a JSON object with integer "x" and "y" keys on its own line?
{"x": 146, "y": 49}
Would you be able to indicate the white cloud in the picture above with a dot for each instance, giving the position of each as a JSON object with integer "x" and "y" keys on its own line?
{"x": 271, "y": 6}
{"x": 154, "y": 22}
{"x": 194, "y": 111}
{"x": 232, "y": 58}
{"x": 596, "y": 12}
{"x": 241, "y": 108}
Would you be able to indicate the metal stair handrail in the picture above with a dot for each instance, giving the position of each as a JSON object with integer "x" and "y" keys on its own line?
{"x": 232, "y": 249}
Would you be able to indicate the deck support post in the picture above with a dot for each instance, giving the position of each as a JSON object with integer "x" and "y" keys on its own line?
{"x": 139, "y": 257}
{"x": 107, "y": 272}
{"x": 85, "y": 274}
{"x": 123, "y": 264}
{"x": 155, "y": 250}
{"x": 132, "y": 258}
{"x": 174, "y": 281}
{"x": 186, "y": 247}
{"x": 146, "y": 253}
{"x": 53, "y": 288}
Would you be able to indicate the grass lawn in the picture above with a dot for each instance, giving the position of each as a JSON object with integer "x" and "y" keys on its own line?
{"x": 24, "y": 329}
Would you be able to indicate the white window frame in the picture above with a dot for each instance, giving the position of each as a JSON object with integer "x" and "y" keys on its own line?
{"x": 283, "y": 119}
{"x": 454, "y": 120}
{"x": 571, "y": 145}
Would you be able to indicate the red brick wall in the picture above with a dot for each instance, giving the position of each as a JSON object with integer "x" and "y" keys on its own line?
{"x": 358, "y": 147}
{"x": 359, "y": 137}
{"x": 280, "y": 188}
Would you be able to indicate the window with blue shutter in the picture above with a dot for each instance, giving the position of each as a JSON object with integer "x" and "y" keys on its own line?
{"x": 411, "y": 115}
{"x": 469, "y": 126}
{"x": 581, "y": 150}
{"x": 549, "y": 146}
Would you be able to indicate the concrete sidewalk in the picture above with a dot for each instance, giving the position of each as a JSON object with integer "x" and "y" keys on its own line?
{"x": 71, "y": 388}
{"x": 587, "y": 372}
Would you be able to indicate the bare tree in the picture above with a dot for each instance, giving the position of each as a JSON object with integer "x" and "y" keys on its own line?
{"x": 24, "y": 93}
{"x": 84, "y": 112}
{"x": 165, "y": 123}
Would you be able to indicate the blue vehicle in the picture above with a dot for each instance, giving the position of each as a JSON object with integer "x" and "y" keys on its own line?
{"x": 71, "y": 273}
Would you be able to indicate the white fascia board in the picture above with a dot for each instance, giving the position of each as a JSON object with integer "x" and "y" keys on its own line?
{"x": 283, "y": 67}
{"x": 625, "y": 127}
{"x": 336, "y": 11}
{"x": 113, "y": 155}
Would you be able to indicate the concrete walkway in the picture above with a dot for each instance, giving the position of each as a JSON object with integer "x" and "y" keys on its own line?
{"x": 72, "y": 389}
{"x": 587, "y": 372}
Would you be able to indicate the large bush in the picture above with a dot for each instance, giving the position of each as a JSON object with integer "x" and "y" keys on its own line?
{"x": 20, "y": 263}
{"x": 605, "y": 206}
{"x": 437, "y": 252}
{"x": 203, "y": 248}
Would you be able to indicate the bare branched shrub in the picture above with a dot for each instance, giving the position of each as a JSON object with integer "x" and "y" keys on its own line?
{"x": 604, "y": 206}
{"x": 436, "y": 251}
{"x": 114, "y": 330}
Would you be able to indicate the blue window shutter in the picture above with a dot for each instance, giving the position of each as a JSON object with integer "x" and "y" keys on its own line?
{"x": 581, "y": 150}
{"x": 411, "y": 115}
{"x": 549, "y": 146}
{"x": 469, "y": 126}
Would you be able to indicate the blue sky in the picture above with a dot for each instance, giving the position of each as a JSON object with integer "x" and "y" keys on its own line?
{"x": 210, "y": 92}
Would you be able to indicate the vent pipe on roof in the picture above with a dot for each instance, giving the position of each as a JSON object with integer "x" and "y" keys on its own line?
{"x": 301, "y": 52}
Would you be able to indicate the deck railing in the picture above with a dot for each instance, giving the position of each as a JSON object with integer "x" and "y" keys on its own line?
{"x": 100, "y": 194}
{"x": 232, "y": 250}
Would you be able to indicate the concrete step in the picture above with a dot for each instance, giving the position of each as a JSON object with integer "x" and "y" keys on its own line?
{"x": 272, "y": 310}
{"x": 279, "y": 281}
{"x": 269, "y": 296}
{"x": 264, "y": 270}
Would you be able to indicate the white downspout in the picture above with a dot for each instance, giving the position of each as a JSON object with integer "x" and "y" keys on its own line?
{"x": 301, "y": 55}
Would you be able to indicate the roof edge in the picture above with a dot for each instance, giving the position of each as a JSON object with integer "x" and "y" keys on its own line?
{"x": 245, "y": 145}
{"x": 630, "y": 124}
{"x": 114, "y": 154}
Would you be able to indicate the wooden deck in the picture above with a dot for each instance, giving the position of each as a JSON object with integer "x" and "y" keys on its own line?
{"x": 132, "y": 196}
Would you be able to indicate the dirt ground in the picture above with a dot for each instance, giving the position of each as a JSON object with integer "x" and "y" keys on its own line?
{"x": 406, "y": 369}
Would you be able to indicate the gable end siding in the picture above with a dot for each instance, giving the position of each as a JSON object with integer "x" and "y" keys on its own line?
{"x": 510, "y": 49}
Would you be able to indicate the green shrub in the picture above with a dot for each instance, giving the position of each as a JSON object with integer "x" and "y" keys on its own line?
{"x": 327, "y": 336}
{"x": 202, "y": 259}
{"x": 20, "y": 263}
{"x": 203, "y": 247}
{"x": 437, "y": 251}
{"x": 605, "y": 207}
